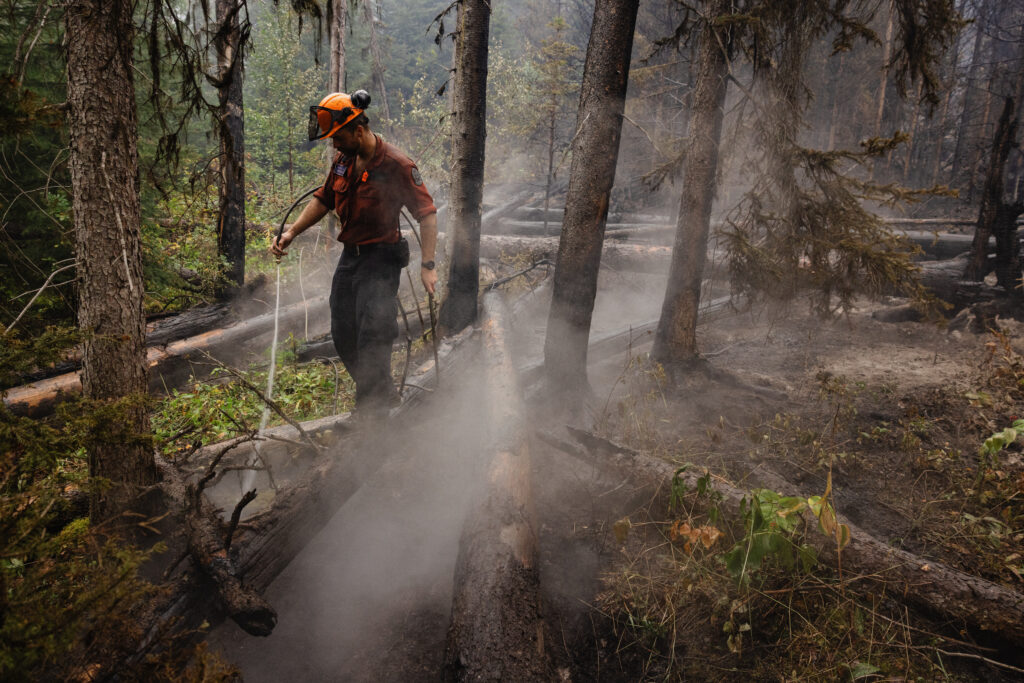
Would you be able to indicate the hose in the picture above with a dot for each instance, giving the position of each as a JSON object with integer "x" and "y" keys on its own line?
{"x": 269, "y": 395}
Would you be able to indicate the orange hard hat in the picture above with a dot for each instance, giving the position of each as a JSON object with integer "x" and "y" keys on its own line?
{"x": 335, "y": 111}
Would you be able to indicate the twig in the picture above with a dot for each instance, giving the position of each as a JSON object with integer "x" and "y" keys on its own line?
{"x": 211, "y": 469}
{"x": 647, "y": 135}
{"x": 970, "y": 655}
{"x": 36, "y": 296}
{"x": 513, "y": 276}
{"x": 267, "y": 401}
{"x": 236, "y": 514}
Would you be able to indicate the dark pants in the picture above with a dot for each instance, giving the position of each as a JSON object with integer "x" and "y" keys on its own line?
{"x": 363, "y": 321}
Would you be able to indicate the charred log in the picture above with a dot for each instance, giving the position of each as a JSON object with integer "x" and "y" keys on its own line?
{"x": 167, "y": 364}
{"x": 496, "y": 631}
{"x": 266, "y": 542}
{"x": 930, "y": 585}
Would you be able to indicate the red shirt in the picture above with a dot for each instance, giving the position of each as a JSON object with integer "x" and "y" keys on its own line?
{"x": 368, "y": 206}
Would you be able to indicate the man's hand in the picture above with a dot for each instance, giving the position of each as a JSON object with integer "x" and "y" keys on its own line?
{"x": 429, "y": 278}
{"x": 279, "y": 245}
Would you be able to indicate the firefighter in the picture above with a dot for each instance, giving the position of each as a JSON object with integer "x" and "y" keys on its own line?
{"x": 368, "y": 184}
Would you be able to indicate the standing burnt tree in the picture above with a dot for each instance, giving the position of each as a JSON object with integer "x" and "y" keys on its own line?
{"x": 676, "y": 339}
{"x": 595, "y": 151}
{"x": 995, "y": 216}
{"x": 104, "y": 176}
{"x": 469, "y": 131}
{"x": 229, "y": 41}
{"x": 803, "y": 226}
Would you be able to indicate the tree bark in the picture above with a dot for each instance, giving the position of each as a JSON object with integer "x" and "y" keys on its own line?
{"x": 337, "y": 20}
{"x": 228, "y": 44}
{"x": 377, "y": 71}
{"x": 595, "y": 151}
{"x": 676, "y": 339}
{"x": 469, "y": 132}
{"x": 104, "y": 175}
{"x": 970, "y": 90}
{"x": 992, "y": 197}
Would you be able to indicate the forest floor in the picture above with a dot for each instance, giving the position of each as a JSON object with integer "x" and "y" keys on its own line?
{"x": 895, "y": 413}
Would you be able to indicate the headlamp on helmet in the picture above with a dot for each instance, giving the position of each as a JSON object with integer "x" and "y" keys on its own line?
{"x": 334, "y": 112}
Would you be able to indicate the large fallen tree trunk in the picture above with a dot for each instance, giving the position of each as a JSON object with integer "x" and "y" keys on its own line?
{"x": 621, "y": 341}
{"x": 931, "y": 585}
{"x": 266, "y": 542}
{"x": 496, "y": 632}
{"x": 166, "y": 363}
{"x": 629, "y": 257}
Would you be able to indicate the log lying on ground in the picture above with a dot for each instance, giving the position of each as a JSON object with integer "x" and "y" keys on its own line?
{"x": 945, "y": 280}
{"x": 930, "y": 585}
{"x": 628, "y": 257}
{"x": 206, "y": 543}
{"x": 621, "y": 341}
{"x": 268, "y": 541}
{"x": 496, "y": 631}
{"x": 159, "y": 331}
{"x": 165, "y": 362}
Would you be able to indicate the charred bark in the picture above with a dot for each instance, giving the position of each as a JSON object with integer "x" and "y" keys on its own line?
{"x": 229, "y": 42}
{"x": 103, "y": 126}
{"x": 595, "y": 150}
{"x": 496, "y": 632}
{"x": 676, "y": 340}
{"x": 469, "y": 131}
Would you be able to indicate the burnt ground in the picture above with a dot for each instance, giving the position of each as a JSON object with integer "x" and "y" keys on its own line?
{"x": 896, "y": 409}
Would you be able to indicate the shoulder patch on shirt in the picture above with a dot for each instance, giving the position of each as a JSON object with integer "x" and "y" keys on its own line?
{"x": 416, "y": 177}
{"x": 339, "y": 169}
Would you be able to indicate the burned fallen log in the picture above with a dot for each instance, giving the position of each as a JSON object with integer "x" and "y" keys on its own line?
{"x": 497, "y": 631}
{"x": 621, "y": 341}
{"x": 628, "y": 257}
{"x": 927, "y": 584}
{"x": 266, "y": 542}
{"x": 945, "y": 280}
{"x": 207, "y": 545}
{"x": 166, "y": 363}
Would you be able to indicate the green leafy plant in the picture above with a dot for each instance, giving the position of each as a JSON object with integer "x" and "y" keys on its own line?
{"x": 770, "y": 521}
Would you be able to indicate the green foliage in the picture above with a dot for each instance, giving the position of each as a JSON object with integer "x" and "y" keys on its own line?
{"x": 64, "y": 587}
{"x": 281, "y": 83}
{"x": 770, "y": 522}
{"x": 216, "y": 409}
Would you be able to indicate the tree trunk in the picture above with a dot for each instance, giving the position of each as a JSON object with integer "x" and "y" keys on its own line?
{"x": 992, "y": 196}
{"x": 595, "y": 150}
{"x": 377, "y": 72}
{"x": 676, "y": 339}
{"x": 337, "y": 19}
{"x": 469, "y": 132}
{"x": 104, "y": 177}
{"x": 971, "y": 90}
{"x": 960, "y": 151}
{"x": 231, "y": 131}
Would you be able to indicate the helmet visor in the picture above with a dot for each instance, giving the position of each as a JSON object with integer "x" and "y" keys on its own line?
{"x": 322, "y": 121}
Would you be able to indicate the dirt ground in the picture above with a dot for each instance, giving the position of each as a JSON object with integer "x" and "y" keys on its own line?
{"x": 895, "y": 411}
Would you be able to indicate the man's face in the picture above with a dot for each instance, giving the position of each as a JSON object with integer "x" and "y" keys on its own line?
{"x": 347, "y": 140}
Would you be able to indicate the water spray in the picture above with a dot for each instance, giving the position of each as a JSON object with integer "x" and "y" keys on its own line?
{"x": 247, "y": 479}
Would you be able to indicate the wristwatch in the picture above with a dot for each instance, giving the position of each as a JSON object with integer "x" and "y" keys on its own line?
{"x": 429, "y": 265}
